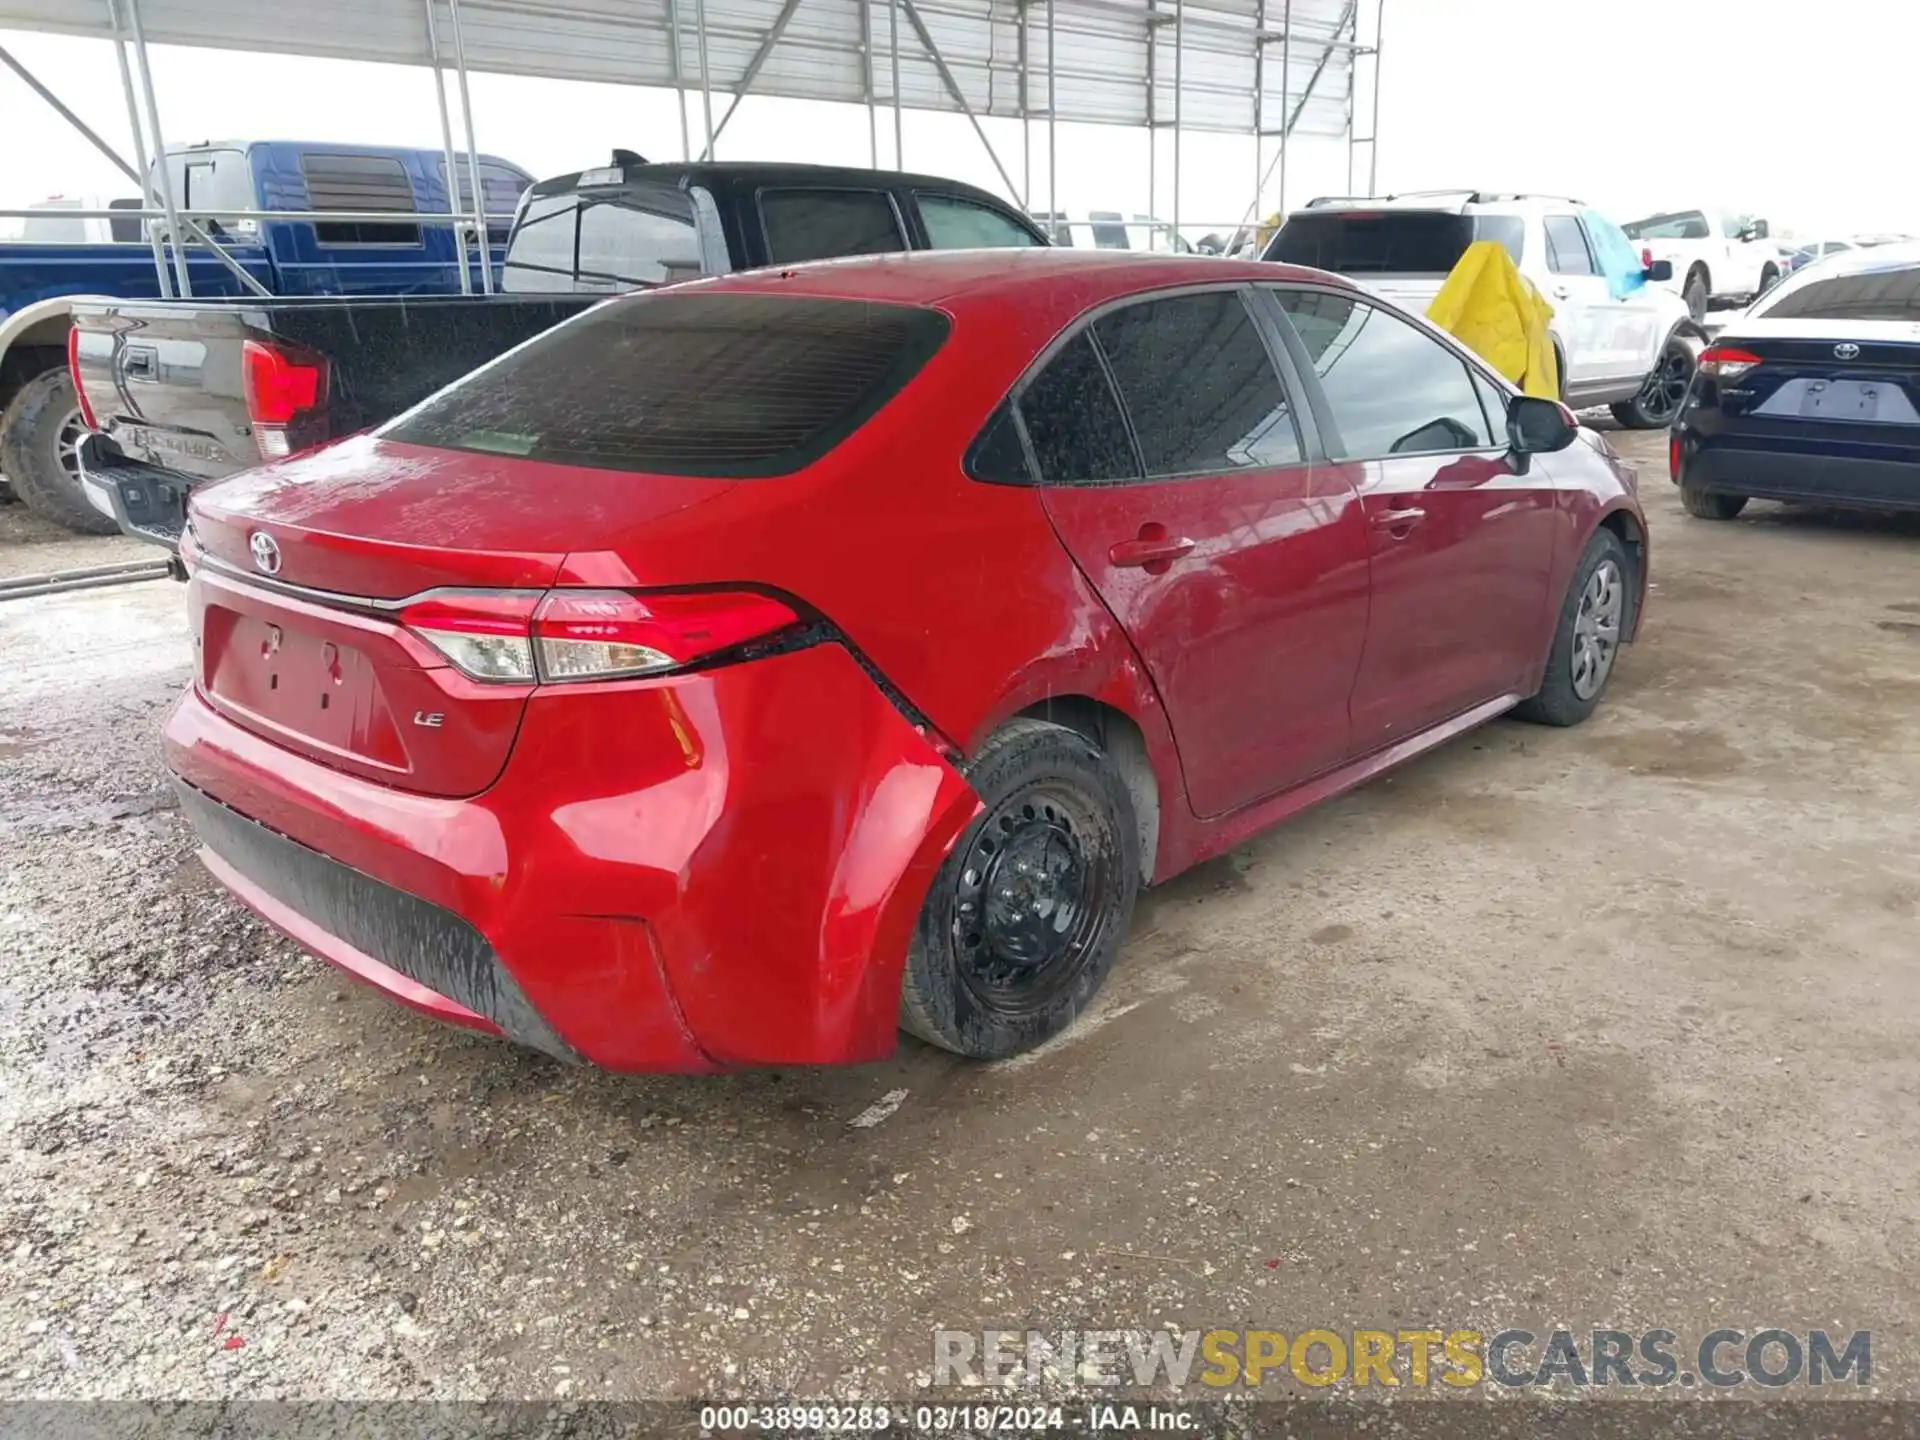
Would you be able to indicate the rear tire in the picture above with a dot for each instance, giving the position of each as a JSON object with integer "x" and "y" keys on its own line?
{"x": 39, "y": 435}
{"x": 1696, "y": 292}
{"x": 1769, "y": 277}
{"x": 1710, "y": 504}
{"x": 1024, "y": 918}
{"x": 1596, "y": 613}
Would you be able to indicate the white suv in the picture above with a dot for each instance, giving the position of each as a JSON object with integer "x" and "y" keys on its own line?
{"x": 1717, "y": 256}
{"x": 1622, "y": 341}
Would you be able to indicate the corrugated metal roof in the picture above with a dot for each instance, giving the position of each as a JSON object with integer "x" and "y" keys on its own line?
{"x": 1101, "y": 73}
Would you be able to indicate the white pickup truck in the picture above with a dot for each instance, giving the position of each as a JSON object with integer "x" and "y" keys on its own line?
{"x": 1717, "y": 256}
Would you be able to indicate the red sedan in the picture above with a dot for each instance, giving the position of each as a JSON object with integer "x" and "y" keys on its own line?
{"x": 739, "y": 672}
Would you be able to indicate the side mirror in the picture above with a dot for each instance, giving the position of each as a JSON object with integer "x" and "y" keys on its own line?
{"x": 1660, "y": 270}
{"x": 1539, "y": 427}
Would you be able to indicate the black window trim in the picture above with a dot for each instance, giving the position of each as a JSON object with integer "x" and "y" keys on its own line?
{"x": 1307, "y": 422}
{"x": 761, "y": 192}
{"x": 1323, "y": 411}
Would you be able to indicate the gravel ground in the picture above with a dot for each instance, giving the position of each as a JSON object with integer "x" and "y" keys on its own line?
{"x": 32, "y": 546}
{"x": 1617, "y": 1026}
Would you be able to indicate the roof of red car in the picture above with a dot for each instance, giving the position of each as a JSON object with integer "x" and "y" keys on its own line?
{"x": 930, "y": 277}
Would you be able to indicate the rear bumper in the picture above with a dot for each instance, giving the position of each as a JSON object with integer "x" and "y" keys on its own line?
{"x": 1830, "y": 477}
{"x": 707, "y": 871}
{"x": 146, "y": 501}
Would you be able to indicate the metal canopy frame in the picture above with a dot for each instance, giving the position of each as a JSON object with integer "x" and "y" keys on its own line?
{"x": 1270, "y": 69}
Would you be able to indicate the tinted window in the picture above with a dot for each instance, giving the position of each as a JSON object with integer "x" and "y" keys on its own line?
{"x": 1567, "y": 252}
{"x": 1675, "y": 225}
{"x": 956, "y": 224}
{"x": 359, "y": 182}
{"x": 1198, "y": 385}
{"x": 1393, "y": 389}
{"x": 211, "y": 180}
{"x": 501, "y": 188}
{"x": 1412, "y": 242}
{"x": 820, "y": 224}
{"x": 677, "y": 384}
{"x": 127, "y": 231}
{"x": 997, "y": 455}
{"x": 644, "y": 235}
{"x": 1889, "y": 294}
{"x": 1074, "y": 422}
{"x": 1109, "y": 230}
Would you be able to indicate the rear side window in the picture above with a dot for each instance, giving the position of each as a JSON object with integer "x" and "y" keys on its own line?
{"x": 822, "y": 224}
{"x": 1198, "y": 385}
{"x": 359, "y": 182}
{"x": 728, "y": 386}
{"x": 956, "y": 224}
{"x": 1567, "y": 252}
{"x": 1393, "y": 389}
{"x": 1413, "y": 242}
{"x": 1109, "y": 230}
{"x": 644, "y": 235}
{"x": 1078, "y": 434}
{"x": 1674, "y": 225}
{"x": 499, "y": 187}
{"x": 1890, "y": 294}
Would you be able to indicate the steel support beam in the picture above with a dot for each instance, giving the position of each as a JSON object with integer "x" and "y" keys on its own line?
{"x": 149, "y": 193}
{"x": 866, "y": 83}
{"x": 1294, "y": 118}
{"x": 893, "y": 52}
{"x": 473, "y": 153}
{"x": 752, "y": 72}
{"x": 678, "y": 68}
{"x": 163, "y": 170}
{"x": 706, "y": 76}
{"x": 953, "y": 89}
{"x": 452, "y": 161}
{"x": 1053, "y": 152}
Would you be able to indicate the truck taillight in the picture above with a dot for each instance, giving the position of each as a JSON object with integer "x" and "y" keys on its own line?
{"x": 1646, "y": 257}
{"x": 286, "y": 392}
{"x": 567, "y": 635}
{"x": 73, "y": 374}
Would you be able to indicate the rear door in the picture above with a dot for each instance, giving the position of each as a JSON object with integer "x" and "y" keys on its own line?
{"x": 955, "y": 222}
{"x": 1178, "y": 472}
{"x": 1461, "y": 545}
{"x": 1588, "y": 323}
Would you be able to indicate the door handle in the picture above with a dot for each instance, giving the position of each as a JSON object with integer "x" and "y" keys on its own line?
{"x": 1152, "y": 550}
{"x": 1561, "y": 292}
{"x": 139, "y": 362}
{"x": 1399, "y": 523}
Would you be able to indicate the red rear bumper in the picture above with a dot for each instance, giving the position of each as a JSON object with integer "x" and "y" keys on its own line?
{"x": 697, "y": 872}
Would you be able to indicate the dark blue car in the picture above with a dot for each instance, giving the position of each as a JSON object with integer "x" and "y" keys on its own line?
{"x": 1811, "y": 395}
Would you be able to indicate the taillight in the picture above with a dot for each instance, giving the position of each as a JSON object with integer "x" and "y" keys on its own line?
{"x": 286, "y": 392}
{"x": 1673, "y": 457}
{"x": 520, "y": 637}
{"x": 1724, "y": 362}
{"x": 73, "y": 373}
{"x": 1646, "y": 257}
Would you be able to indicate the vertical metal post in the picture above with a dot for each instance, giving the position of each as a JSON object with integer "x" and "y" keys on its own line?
{"x": 1259, "y": 91}
{"x": 866, "y": 83}
{"x": 679, "y": 77}
{"x": 706, "y": 79}
{"x": 1153, "y": 115}
{"x": 473, "y": 151}
{"x": 1373, "y": 130}
{"x": 1179, "y": 50}
{"x": 1286, "y": 120}
{"x": 1026, "y": 126}
{"x": 147, "y": 187}
{"x": 893, "y": 46}
{"x": 1053, "y": 152}
{"x": 174, "y": 236}
{"x": 452, "y": 162}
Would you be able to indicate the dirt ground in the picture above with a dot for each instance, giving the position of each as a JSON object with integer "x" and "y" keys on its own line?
{"x": 1617, "y": 1026}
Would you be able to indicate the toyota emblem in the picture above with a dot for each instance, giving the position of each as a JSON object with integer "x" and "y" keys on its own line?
{"x": 1846, "y": 350}
{"x": 266, "y": 553}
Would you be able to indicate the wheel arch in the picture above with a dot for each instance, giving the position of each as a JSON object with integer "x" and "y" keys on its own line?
{"x": 33, "y": 328}
{"x": 1121, "y": 739}
{"x": 1632, "y": 534}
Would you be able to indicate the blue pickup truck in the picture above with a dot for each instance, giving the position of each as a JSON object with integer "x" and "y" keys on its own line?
{"x": 40, "y": 420}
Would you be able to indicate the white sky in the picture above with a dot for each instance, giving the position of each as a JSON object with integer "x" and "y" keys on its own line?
{"x": 1794, "y": 110}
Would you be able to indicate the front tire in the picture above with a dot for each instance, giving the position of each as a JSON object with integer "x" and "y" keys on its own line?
{"x": 1660, "y": 399}
{"x": 1769, "y": 277}
{"x": 1594, "y": 616}
{"x": 1710, "y": 504}
{"x": 1024, "y": 918}
{"x": 39, "y": 451}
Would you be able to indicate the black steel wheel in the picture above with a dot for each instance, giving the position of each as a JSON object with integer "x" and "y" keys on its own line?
{"x": 1026, "y": 914}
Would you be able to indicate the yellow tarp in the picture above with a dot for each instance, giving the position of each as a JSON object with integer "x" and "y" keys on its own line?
{"x": 1494, "y": 310}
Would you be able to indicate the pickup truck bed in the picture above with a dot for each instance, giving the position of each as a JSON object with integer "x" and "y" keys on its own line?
{"x": 167, "y": 381}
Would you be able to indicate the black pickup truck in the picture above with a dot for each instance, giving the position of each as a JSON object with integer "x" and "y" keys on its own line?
{"x": 179, "y": 393}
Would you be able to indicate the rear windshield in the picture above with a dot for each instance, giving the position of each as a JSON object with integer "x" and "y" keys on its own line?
{"x": 1675, "y": 225}
{"x": 1889, "y": 294}
{"x": 729, "y": 386}
{"x": 1390, "y": 243}
{"x": 638, "y": 236}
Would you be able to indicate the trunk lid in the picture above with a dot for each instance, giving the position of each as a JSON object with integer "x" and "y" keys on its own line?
{"x": 299, "y": 568}
{"x": 1828, "y": 380}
